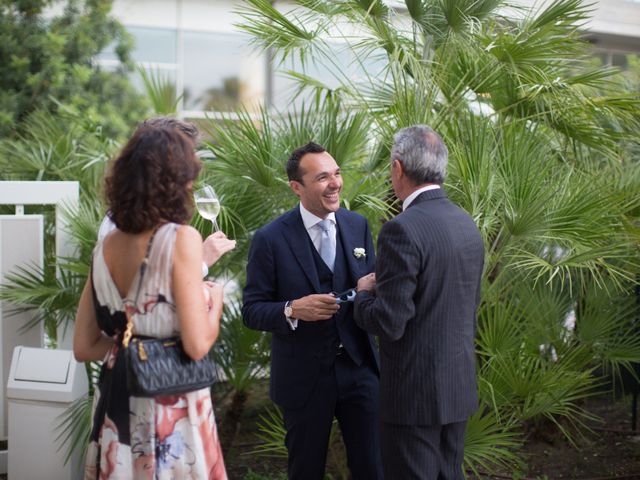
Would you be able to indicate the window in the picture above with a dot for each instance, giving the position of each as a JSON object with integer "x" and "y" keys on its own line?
{"x": 616, "y": 58}
{"x": 619, "y": 60}
{"x": 154, "y": 45}
{"x": 220, "y": 72}
{"x": 151, "y": 45}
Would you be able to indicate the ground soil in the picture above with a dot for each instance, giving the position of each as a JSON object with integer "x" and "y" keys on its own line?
{"x": 609, "y": 451}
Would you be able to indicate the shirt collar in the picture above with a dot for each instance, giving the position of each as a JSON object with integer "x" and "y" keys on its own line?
{"x": 412, "y": 197}
{"x": 310, "y": 220}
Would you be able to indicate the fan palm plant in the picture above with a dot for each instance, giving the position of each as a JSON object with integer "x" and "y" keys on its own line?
{"x": 242, "y": 357}
{"x": 51, "y": 149}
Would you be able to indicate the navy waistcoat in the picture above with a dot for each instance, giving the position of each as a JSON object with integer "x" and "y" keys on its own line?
{"x": 338, "y": 281}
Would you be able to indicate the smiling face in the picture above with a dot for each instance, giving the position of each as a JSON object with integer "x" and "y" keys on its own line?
{"x": 319, "y": 190}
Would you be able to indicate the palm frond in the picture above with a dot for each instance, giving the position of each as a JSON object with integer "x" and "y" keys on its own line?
{"x": 607, "y": 323}
{"x": 541, "y": 387}
{"x": 241, "y": 353}
{"x": 271, "y": 433}
{"x": 460, "y": 16}
{"x": 490, "y": 445}
{"x": 73, "y": 427}
{"x": 270, "y": 28}
{"x": 160, "y": 90}
{"x": 32, "y": 289}
{"x": 373, "y": 8}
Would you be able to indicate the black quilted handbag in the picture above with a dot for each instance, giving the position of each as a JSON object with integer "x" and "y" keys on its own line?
{"x": 160, "y": 366}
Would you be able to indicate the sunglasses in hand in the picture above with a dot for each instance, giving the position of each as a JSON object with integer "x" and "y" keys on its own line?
{"x": 346, "y": 296}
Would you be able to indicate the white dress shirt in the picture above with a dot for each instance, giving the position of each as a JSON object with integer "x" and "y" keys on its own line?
{"x": 313, "y": 229}
{"x": 412, "y": 197}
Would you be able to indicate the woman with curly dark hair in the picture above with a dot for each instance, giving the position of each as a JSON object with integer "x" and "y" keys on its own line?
{"x": 149, "y": 193}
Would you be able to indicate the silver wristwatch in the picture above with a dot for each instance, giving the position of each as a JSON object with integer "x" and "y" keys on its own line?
{"x": 288, "y": 309}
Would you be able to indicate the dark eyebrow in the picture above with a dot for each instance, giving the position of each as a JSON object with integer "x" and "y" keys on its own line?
{"x": 324, "y": 174}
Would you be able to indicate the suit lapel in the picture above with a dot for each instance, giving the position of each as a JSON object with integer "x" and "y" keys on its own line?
{"x": 298, "y": 239}
{"x": 348, "y": 236}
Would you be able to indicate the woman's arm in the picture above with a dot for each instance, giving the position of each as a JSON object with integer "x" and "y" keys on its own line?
{"x": 199, "y": 324}
{"x": 89, "y": 343}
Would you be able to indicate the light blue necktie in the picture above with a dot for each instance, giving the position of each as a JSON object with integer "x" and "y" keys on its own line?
{"x": 327, "y": 244}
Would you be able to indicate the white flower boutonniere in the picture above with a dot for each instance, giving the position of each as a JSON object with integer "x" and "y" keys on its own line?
{"x": 359, "y": 252}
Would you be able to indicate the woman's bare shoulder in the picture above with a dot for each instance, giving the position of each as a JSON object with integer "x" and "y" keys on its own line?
{"x": 188, "y": 239}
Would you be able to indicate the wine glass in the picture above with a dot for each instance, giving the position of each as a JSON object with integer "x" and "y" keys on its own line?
{"x": 207, "y": 204}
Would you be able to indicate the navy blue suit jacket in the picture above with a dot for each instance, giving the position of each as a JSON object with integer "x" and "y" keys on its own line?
{"x": 280, "y": 268}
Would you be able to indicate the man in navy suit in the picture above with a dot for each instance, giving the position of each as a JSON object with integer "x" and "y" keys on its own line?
{"x": 422, "y": 303}
{"x": 322, "y": 365}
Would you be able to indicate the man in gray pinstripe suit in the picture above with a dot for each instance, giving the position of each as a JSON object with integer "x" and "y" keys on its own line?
{"x": 422, "y": 303}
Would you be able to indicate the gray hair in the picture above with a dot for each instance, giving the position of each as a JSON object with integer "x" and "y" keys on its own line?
{"x": 422, "y": 153}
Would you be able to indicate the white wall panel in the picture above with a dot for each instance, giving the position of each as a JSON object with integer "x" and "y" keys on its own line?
{"x": 21, "y": 244}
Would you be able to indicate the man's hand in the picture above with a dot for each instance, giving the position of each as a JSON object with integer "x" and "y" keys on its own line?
{"x": 367, "y": 283}
{"x": 315, "y": 307}
{"x": 216, "y": 245}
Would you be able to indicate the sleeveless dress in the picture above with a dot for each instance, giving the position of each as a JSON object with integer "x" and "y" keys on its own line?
{"x": 168, "y": 437}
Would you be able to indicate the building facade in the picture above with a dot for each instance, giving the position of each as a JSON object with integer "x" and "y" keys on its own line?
{"x": 196, "y": 46}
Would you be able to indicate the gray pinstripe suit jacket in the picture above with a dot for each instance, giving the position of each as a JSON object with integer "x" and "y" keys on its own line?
{"x": 428, "y": 271}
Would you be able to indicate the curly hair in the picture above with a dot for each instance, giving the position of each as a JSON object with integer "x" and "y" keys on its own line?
{"x": 148, "y": 183}
{"x": 188, "y": 128}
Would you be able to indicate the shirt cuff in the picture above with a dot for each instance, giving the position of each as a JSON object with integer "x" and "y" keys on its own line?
{"x": 293, "y": 322}
{"x": 205, "y": 270}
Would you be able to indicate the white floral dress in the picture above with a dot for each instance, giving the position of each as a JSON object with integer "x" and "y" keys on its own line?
{"x": 170, "y": 437}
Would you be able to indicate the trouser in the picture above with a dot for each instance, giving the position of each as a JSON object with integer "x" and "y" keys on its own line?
{"x": 423, "y": 452}
{"x": 350, "y": 394}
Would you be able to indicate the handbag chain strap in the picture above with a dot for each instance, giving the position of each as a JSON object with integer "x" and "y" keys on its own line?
{"x": 128, "y": 333}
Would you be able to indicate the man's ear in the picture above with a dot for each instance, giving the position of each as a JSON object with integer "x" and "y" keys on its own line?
{"x": 295, "y": 186}
{"x": 397, "y": 164}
